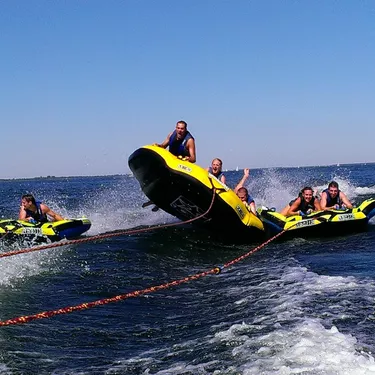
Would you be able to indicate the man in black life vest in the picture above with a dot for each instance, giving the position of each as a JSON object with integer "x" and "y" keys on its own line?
{"x": 334, "y": 199}
{"x": 34, "y": 211}
{"x": 180, "y": 142}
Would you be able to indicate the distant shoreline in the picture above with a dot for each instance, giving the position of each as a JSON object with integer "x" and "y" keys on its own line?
{"x": 127, "y": 174}
{"x": 59, "y": 177}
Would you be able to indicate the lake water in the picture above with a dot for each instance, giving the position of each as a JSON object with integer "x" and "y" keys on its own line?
{"x": 294, "y": 307}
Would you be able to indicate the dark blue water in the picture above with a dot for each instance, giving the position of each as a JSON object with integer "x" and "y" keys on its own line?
{"x": 296, "y": 307}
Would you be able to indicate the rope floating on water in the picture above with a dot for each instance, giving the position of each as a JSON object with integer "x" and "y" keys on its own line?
{"x": 87, "y": 305}
{"x": 106, "y": 235}
{"x": 137, "y": 293}
{"x": 105, "y": 301}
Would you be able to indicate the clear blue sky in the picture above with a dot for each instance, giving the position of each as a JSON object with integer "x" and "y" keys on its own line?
{"x": 260, "y": 83}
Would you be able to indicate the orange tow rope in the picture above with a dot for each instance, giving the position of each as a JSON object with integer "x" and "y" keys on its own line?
{"x": 137, "y": 293}
{"x": 88, "y": 305}
{"x": 108, "y": 235}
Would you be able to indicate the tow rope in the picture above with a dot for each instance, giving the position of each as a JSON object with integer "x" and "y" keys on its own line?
{"x": 87, "y": 305}
{"x": 107, "y": 235}
{"x": 137, "y": 293}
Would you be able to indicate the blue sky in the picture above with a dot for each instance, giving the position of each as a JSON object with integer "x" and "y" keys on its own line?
{"x": 260, "y": 83}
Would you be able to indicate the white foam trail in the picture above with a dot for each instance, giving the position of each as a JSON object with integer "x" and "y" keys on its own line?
{"x": 310, "y": 349}
{"x": 286, "y": 339}
{"x": 304, "y": 346}
{"x": 273, "y": 190}
{"x": 365, "y": 190}
{"x": 23, "y": 266}
{"x": 115, "y": 206}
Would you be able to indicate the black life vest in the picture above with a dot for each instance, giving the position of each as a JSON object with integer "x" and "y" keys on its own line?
{"x": 304, "y": 206}
{"x": 218, "y": 175}
{"x": 332, "y": 201}
{"x": 38, "y": 215}
{"x": 178, "y": 146}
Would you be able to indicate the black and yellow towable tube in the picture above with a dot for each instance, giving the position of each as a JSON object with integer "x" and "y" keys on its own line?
{"x": 11, "y": 230}
{"x": 185, "y": 190}
{"x": 320, "y": 223}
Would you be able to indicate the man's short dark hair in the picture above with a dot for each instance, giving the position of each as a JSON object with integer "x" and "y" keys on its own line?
{"x": 182, "y": 122}
{"x": 243, "y": 190}
{"x": 333, "y": 184}
{"x": 29, "y": 198}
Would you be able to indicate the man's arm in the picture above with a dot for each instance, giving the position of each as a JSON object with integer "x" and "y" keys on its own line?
{"x": 253, "y": 208}
{"x": 343, "y": 197}
{"x": 165, "y": 143}
{"x": 246, "y": 174}
{"x": 22, "y": 214}
{"x": 190, "y": 145}
{"x": 323, "y": 202}
{"x": 345, "y": 200}
{"x": 47, "y": 211}
{"x": 317, "y": 204}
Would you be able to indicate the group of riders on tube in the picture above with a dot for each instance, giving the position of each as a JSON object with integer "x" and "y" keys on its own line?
{"x": 181, "y": 143}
